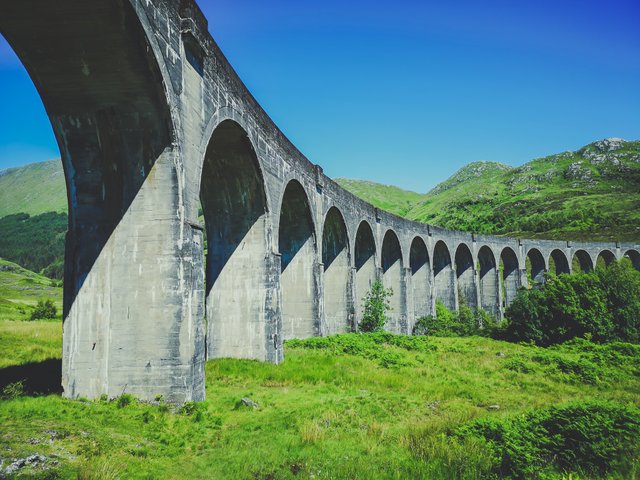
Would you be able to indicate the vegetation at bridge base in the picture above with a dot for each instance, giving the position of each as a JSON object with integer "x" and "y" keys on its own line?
{"x": 603, "y": 305}
{"x": 462, "y": 323}
{"x": 376, "y": 305}
{"x": 361, "y": 406}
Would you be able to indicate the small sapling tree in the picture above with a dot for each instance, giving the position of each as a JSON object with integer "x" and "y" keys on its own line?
{"x": 44, "y": 309}
{"x": 376, "y": 305}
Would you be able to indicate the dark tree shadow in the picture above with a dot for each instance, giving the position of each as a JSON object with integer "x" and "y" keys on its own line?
{"x": 39, "y": 378}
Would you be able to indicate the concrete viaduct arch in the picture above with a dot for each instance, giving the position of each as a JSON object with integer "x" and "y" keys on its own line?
{"x": 152, "y": 121}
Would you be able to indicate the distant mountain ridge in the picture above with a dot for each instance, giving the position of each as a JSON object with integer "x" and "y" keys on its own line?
{"x": 34, "y": 189}
{"x": 590, "y": 194}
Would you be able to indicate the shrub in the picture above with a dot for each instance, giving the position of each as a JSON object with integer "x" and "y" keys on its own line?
{"x": 124, "y": 400}
{"x": 603, "y": 305}
{"x": 464, "y": 322}
{"x": 383, "y": 347}
{"x": 376, "y": 305}
{"x": 45, "y": 309}
{"x": 591, "y": 438}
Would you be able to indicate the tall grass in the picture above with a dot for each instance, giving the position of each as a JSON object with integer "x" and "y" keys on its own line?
{"x": 333, "y": 409}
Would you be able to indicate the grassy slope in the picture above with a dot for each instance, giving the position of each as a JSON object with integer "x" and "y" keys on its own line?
{"x": 322, "y": 414}
{"x": 20, "y": 290}
{"x": 33, "y": 189}
{"x": 593, "y": 193}
{"x": 385, "y": 197}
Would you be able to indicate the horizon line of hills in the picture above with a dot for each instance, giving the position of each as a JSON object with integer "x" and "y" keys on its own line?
{"x": 590, "y": 194}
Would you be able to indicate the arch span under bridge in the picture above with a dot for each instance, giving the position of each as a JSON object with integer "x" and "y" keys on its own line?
{"x": 152, "y": 121}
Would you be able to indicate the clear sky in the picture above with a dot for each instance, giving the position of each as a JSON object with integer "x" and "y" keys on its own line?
{"x": 407, "y": 92}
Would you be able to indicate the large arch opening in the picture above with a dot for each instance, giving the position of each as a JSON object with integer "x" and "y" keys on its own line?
{"x": 420, "y": 279}
{"x": 297, "y": 245}
{"x": 443, "y": 276}
{"x": 558, "y": 262}
{"x": 235, "y": 211}
{"x": 535, "y": 266}
{"x": 365, "y": 264}
{"x": 582, "y": 262}
{"x": 634, "y": 257}
{"x": 605, "y": 258}
{"x": 100, "y": 79}
{"x": 392, "y": 278}
{"x": 510, "y": 269}
{"x": 335, "y": 257}
{"x": 488, "y": 280}
{"x": 465, "y": 272}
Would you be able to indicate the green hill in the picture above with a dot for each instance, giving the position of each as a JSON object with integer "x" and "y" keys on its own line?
{"x": 20, "y": 290}
{"x": 386, "y": 197}
{"x": 34, "y": 189}
{"x": 593, "y": 193}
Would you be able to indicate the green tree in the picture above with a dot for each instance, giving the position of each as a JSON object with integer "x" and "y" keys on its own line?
{"x": 376, "y": 305}
{"x": 603, "y": 305}
{"x": 44, "y": 309}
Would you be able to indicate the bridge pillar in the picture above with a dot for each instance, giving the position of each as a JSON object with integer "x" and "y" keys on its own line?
{"x": 405, "y": 300}
{"x": 133, "y": 317}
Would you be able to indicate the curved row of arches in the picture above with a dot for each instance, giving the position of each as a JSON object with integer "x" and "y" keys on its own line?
{"x": 323, "y": 274}
{"x": 136, "y": 132}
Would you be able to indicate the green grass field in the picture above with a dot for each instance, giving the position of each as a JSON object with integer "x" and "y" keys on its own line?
{"x": 345, "y": 407}
{"x": 20, "y": 290}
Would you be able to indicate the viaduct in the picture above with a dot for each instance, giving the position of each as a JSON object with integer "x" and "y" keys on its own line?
{"x": 152, "y": 121}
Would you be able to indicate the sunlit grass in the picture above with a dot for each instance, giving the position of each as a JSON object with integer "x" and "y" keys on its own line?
{"x": 321, "y": 415}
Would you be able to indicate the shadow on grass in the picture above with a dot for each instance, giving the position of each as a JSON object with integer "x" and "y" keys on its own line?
{"x": 39, "y": 378}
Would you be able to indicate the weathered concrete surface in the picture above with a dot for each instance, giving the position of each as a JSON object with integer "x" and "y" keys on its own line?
{"x": 152, "y": 121}
{"x": 337, "y": 274}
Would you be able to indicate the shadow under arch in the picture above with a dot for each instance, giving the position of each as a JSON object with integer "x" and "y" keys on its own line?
{"x": 392, "y": 278}
{"x": 488, "y": 280}
{"x": 297, "y": 246}
{"x": 535, "y": 266}
{"x": 234, "y": 205}
{"x": 420, "y": 279}
{"x": 337, "y": 265}
{"x": 634, "y": 257}
{"x": 365, "y": 264}
{"x": 443, "y": 276}
{"x": 104, "y": 96}
{"x": 582, "y": 262}
{"x": 558, "y": 262}
{"x": 605, "y": 258}
{"x": 510, "y": 277}
{"x": 465, "y": 273}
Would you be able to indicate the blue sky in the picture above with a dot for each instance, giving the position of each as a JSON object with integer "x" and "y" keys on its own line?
{"x": 407, "y": 92}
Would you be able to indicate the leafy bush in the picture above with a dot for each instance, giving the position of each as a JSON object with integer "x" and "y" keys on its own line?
{"x": 464, "y": 322}
{"x": 593, "y": 438}
{"x": 125, "y": 400}
{"x": 44, "y": 309}
{"x": 603, "y": 305}
{"x": 376, "y": 305}
{"x": 383, "y": 347}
